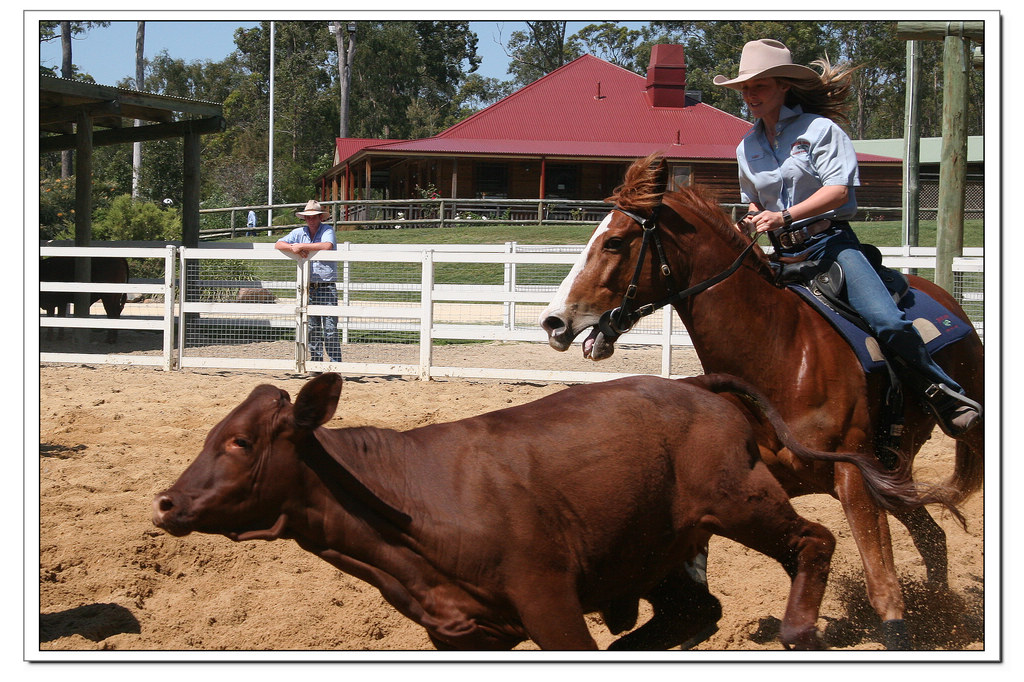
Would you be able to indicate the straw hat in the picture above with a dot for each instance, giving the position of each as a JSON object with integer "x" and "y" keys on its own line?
{"x": 313, "y": 208}
{"x": 766, "y": 58}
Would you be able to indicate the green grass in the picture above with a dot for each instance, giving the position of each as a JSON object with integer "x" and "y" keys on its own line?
{"x": 889, "y": 232}
{"x": 879, "y": 233}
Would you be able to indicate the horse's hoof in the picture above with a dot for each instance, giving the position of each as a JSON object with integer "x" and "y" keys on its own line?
{"x": 895, "y": 635}
{"x": 808, "y": 639}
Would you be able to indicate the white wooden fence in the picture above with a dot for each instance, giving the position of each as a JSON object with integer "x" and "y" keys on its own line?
{"x": 216, "y": 329}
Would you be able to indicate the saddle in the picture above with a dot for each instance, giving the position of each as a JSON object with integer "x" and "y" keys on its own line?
{"x": 821, "y": 284}
{"x": 826, "y": 282}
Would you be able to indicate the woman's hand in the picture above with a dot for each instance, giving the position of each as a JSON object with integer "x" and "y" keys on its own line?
{"x": 766, "y": 221}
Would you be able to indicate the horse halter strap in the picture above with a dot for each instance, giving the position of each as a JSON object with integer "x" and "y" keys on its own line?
{"x": 617, "y": 321}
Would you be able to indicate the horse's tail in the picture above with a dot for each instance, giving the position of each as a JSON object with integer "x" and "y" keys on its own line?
{"x": 893, "y": 490}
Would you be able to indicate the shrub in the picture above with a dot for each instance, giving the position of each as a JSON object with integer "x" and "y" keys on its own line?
{"x": 128, "y": 220}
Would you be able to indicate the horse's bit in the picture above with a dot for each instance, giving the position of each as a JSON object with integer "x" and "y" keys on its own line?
{"x": 617, "y": 321}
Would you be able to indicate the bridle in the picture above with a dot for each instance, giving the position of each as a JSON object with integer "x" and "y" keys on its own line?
{"x": 617, "y": 321}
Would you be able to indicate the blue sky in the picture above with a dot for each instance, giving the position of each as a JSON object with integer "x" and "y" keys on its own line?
{"x": 108, "y": 54}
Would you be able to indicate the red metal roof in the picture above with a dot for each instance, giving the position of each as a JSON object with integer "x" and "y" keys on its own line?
{"x": 587, "y": 108}
{"x": 346, "y": 147}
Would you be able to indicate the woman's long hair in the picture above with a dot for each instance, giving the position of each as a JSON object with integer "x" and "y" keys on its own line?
{"x": 826, "y": 96}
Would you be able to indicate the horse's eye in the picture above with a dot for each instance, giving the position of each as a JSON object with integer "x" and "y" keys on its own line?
{"x": 613, "y": 244}
{"x": 240, "y": 442}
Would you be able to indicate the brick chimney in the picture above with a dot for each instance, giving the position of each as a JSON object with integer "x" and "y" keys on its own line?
{"x": 666, "y": 77}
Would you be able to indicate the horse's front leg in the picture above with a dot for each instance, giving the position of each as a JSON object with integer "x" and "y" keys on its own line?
{"x": 870, "y": 529}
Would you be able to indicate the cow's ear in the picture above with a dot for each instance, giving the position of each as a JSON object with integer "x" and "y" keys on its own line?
{"x": 317, "y": 401}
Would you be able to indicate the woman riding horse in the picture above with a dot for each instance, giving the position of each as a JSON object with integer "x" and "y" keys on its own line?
{"x": 798, "y": 170}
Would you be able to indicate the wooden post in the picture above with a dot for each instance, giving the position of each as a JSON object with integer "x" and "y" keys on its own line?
{"x": 83, "y": 206}
{"x": 949, "y": 239}
{"x": 190, "y": 191}
{"x": 953, "y": 159}
{"x": 912, "y": 148}
{"x": 540, "y": 192}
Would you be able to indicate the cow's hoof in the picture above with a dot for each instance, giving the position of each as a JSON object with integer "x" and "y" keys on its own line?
{"x": 668, "y": 628}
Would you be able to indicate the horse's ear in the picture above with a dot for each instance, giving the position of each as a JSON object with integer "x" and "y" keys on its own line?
{"x": 659, "y": 170}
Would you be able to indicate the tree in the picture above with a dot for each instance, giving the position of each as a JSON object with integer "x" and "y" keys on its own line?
{"x": 48, "y": 30}
{"x": 538, "y": 51}
{"x": 346, "y": 58}
{"x": 427, "y": 64}
{"x": 140, "y": 70}
{"x": 616, "y": 44}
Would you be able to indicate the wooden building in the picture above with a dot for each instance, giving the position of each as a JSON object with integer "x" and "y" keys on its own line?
{"x": 570, "y": 135}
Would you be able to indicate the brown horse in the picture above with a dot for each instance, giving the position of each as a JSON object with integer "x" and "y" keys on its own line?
{"x": 744, "y": 324}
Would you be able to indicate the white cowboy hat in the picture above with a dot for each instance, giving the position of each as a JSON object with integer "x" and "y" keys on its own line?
{"x": 313, "y": 208}
{"x": 766, "y": 58}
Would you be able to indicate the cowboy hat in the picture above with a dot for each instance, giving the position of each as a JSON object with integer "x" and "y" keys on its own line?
{"x": 766, "y": 58}
{"x": 312, "y": 208}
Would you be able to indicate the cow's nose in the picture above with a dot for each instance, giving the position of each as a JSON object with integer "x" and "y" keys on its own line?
{"x": 163, "y": 504}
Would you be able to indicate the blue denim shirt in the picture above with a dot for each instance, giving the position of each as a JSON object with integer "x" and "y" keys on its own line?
{"x": 322, "y": 271}
{"x": 810, "y": 151}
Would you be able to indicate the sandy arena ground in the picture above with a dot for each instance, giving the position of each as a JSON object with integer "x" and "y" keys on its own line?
{"x": 113, "y": 436}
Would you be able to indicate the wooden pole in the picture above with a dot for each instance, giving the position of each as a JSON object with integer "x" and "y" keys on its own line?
{"x": 939, "y": 30}
{"x": 949, "y": 240}
{"x": 190, "y": 191}
{"x": 912, "y": 147}
{"x": 83, "y": 207}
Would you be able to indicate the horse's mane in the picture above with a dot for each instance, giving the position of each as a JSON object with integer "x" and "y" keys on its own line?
{"x": 643, "y": 188}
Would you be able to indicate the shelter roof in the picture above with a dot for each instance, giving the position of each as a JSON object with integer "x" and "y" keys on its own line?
{"x": 63, "y": 101}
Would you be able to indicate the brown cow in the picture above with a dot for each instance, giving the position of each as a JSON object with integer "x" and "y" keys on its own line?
{"x": 513, "y": 524}
{"x": 62, "y": 269}
{"x": 255, "y": 296}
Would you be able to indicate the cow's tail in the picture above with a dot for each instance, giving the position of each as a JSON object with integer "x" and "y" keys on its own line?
{"x": 894, "y": 490}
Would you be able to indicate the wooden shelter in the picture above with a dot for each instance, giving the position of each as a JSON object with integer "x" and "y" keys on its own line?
{"x": 74, "y": 115}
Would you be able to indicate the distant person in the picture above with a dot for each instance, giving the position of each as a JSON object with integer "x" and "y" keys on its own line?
{"x": 250, "y": 224}
{"x": 304, "y": 242}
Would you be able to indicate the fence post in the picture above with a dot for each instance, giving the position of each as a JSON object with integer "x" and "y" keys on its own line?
{"x": 666, "y": 340}
{"x": 510, "y": 286}
{"x": 170, "y": 359}
{"x": 426, "y": 314}
{"x": 302, "y": 269}
{"x": 440, "y": 213}
{"x": 346, "y": 282}
{"x": 182, "y": 297}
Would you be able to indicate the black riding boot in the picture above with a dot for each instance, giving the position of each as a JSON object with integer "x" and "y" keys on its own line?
{"x": 943, "y": 397}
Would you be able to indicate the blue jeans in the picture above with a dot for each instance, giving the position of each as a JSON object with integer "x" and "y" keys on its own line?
{"x": 323, "y": 330}
{"x": 866, "y": 294}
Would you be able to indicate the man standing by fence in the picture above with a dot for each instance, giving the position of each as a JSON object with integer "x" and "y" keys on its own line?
{"x": 303, "y": 242}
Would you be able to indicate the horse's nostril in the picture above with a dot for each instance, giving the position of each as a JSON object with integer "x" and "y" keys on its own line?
{"x": 165, "y": 504}
{"x": 553, "y": 324}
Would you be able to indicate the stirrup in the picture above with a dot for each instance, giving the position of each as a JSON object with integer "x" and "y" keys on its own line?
{"x": 956, "y": 413}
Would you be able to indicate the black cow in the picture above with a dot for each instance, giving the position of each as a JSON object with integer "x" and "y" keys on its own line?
{"x": 105, "y": 270}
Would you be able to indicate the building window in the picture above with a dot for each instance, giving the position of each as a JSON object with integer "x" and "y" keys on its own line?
{"x": 492, "y": 181}
{"x": 561, "y": 181}
{"x": 679, "y": 177}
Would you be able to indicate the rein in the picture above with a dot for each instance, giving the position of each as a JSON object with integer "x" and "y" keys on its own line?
{"x": 617, "y": 321}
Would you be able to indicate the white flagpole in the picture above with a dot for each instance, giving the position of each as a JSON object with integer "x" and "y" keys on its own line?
{"x": 270, "y": 153}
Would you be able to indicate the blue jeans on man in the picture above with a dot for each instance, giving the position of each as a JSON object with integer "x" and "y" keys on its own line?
{"x": 323, "y": 329}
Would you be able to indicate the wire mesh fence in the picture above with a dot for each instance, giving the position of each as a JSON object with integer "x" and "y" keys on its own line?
{"x": 397, "y": 310}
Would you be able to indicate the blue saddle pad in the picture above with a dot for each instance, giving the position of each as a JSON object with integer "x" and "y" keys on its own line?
{"x": 937, "y": 325}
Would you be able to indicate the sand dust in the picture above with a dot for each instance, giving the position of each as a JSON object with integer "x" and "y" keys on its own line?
{"x": 113, "y": 436}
